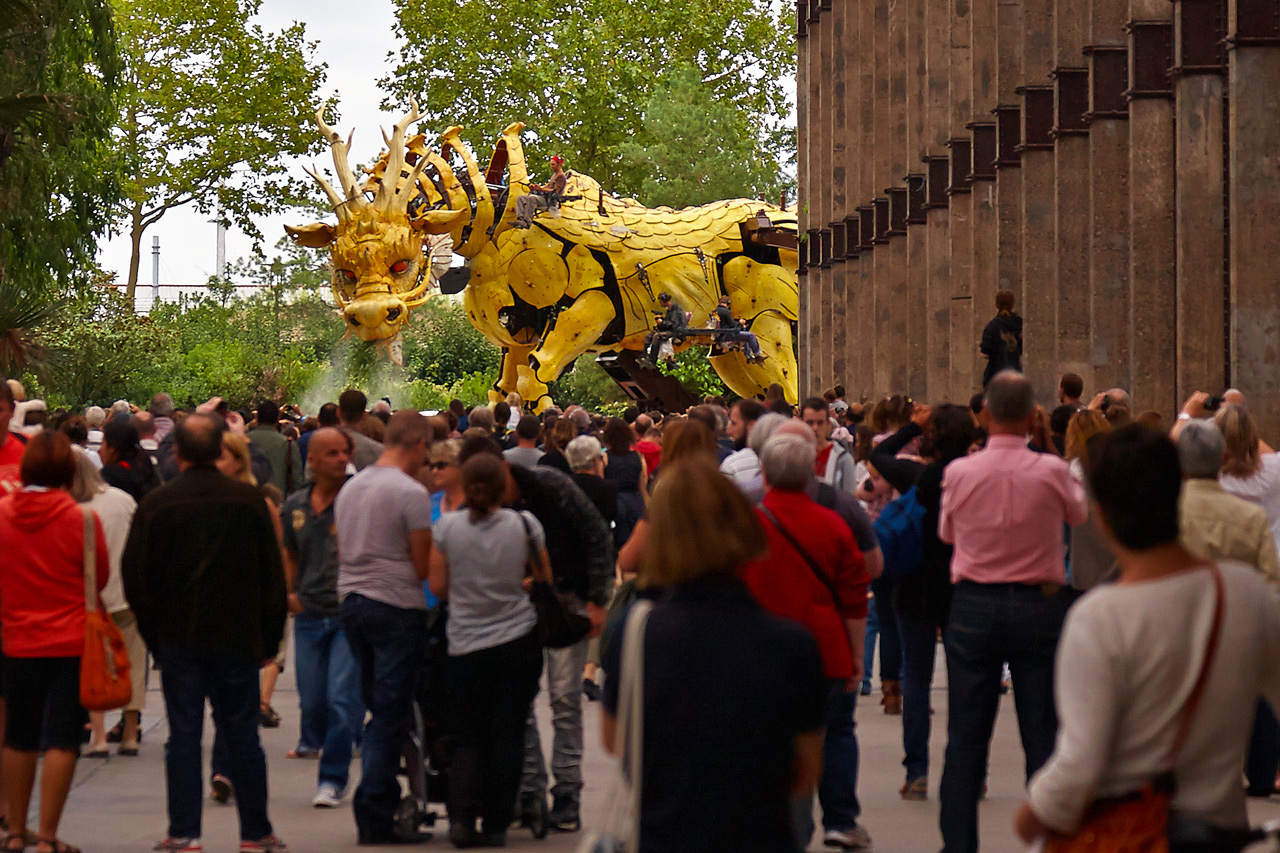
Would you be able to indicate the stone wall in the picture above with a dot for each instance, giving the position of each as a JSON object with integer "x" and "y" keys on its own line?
{"x": 1115, "y": 163}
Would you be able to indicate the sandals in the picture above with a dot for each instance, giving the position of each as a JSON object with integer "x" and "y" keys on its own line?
{"x": 10, "y": 847}
{"x": 268, "y": 718}
{"x": 56, "y": 846}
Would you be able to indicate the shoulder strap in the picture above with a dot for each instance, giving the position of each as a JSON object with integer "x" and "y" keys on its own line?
{"x": 90, "y": 560}
{"x": 813, "y": 565}
{"x": 1206, "y": 667}
{"x": 630, "y": 730}
{"x": 531, "y": 548}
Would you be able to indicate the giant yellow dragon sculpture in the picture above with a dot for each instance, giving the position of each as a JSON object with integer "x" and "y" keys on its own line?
{"x": 582, "y": 280}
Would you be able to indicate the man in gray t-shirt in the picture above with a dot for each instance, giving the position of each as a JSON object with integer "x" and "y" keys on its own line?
{"x": 377, "y": 512}
{"x": 383, "y": 516}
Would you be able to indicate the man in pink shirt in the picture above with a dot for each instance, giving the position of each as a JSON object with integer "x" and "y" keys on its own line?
{"x": 1003, "y": 509}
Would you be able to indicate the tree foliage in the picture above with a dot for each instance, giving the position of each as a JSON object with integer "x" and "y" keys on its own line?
{"x": 578, "y": 72}
{"x": 696, "y": 149}
{"x": 59, "y": 68}
{"x": 211, "y": 106}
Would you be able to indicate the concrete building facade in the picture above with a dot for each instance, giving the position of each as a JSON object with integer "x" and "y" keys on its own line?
{"x": 1114, "y": 163}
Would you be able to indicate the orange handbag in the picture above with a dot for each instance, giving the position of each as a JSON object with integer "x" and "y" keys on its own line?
{"x": 105, "y": 679}
{"x": 1139, "y": 822}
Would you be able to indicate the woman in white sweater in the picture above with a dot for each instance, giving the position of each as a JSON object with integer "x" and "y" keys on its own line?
{"x": 1132, "y": 651}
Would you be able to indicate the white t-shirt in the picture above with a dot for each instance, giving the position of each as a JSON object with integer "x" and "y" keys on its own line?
{"x": 1127, "y": 661}
{"x": 114, "y": 508}
{"x": 375, "y": 512}
{"x": 488, "y": 604}
{"x": 1263, "y": 489}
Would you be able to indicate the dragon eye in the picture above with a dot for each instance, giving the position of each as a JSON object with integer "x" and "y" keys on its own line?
{"x": 399, "y": 267}
{"x": 347, "y": 274}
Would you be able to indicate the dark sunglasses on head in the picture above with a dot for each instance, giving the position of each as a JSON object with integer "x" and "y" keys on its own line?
{"x": 439, "y": 466}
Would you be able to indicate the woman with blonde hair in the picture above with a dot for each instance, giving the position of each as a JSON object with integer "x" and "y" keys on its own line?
{"x": 561, "y": 434}
{"x": 695, "y": 779}
{"x": 1252, "y": 469}
{"x": 114, "y": 508}
{"x": 516, "y": 402}
{"x": 1089, "y": 559}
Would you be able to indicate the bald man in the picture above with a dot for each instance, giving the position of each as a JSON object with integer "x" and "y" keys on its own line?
{"x": 328, "y": 675}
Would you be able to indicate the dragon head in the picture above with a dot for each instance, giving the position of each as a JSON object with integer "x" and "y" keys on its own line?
{"x": 380, "y": 270}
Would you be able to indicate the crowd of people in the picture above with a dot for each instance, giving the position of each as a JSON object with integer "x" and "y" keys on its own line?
{"x": 1118, "y": 574}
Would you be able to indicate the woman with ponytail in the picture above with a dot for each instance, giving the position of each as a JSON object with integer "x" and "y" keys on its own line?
{"x": 480, "y": 557}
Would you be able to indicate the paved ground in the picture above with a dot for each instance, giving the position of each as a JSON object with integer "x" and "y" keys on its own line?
{"x": 118, "y": 804}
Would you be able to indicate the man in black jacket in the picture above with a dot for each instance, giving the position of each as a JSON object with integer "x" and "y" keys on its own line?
{"x": 582, "y": 562}
{"x": 671, "y": 327}
{"x": 202, "y": 573}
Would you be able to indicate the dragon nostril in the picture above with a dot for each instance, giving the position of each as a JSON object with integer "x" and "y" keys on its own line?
{"x": 393, "y": 314}
{"x": 353, "y": 321}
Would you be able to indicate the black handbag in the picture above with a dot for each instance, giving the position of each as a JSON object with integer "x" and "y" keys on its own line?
{"x": 559, "y": 624}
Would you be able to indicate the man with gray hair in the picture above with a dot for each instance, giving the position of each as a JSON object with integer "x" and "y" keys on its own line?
{"x": 743, "y": 466}
{"x": 815, "y": 575}
{"x": 1004, "y": 509}
{"x": 1214, "y": 524}
{"x": 586, "y": 460}
{"x": 94, "y": 418}
{"x": 161, "y": 409}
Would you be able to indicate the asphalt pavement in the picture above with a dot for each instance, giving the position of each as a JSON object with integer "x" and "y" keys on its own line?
{"x": 118, "y": 805}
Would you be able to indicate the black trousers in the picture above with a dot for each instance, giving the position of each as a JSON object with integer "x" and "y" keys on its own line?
{"x": 490, "y": 692}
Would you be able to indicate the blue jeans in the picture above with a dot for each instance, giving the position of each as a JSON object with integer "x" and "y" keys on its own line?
{"x": 890, "y": 641}
{"x": 187, "y": 678}
{"x": 919, "y": 648}
{"x": 869, "y": 644}
{"x": 838, "y": 787}
{"x": 564, "y": 686}
{"x": 389, "y": 645}
{"x": 328, "y": 694}
{"x": 991, "y": 624}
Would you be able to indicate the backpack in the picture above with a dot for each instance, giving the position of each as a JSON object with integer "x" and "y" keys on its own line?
{"x": 899, "y": 529}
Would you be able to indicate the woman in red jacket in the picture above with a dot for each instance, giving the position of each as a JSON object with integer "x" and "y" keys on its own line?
{"x": 42, "y": 627}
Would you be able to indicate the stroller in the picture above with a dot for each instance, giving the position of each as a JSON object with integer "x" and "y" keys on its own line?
{"x": 428, "y": 749}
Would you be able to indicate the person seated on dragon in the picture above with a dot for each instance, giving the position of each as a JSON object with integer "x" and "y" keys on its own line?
{"x": 671, "y": 327}
{"x": 733, "y": 331}
{"x": 545, "y": 197}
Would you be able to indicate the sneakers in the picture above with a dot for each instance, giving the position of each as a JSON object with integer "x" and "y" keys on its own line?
{"x": 270, "y": 844}
{"x": 328, "y": 796}
{"x": 220, "y": 790}
{"x": 179, "y": 845}
{"x": 856, "y": 838}
{"x": 564, "y": 815}
{"x": 915, "y": 789}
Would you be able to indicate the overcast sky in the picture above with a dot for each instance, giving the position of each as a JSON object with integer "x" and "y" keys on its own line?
{"x": 354, "y": 39}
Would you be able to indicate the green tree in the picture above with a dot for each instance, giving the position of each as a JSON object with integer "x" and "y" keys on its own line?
{"x": 696, "y": 149}
{"x": 59, "y": 68}
{"x": 211, "y": 107}
{"x": 578, "y": 72}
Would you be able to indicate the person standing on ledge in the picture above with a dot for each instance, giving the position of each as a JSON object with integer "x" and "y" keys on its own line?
{"x": 1002, "y": 339}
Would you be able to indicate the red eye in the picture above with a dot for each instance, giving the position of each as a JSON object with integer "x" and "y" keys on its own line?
{"x": 399, "y": 267}
{"x": 348, "y": 275}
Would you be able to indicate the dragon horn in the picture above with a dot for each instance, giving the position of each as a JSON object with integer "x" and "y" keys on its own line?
{"x": 395, "y": 158}
{"x": 334, "y": 198}
{"x": 346, "y": 177}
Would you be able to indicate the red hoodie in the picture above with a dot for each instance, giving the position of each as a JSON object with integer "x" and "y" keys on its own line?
{"x": 42, "y": 574}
